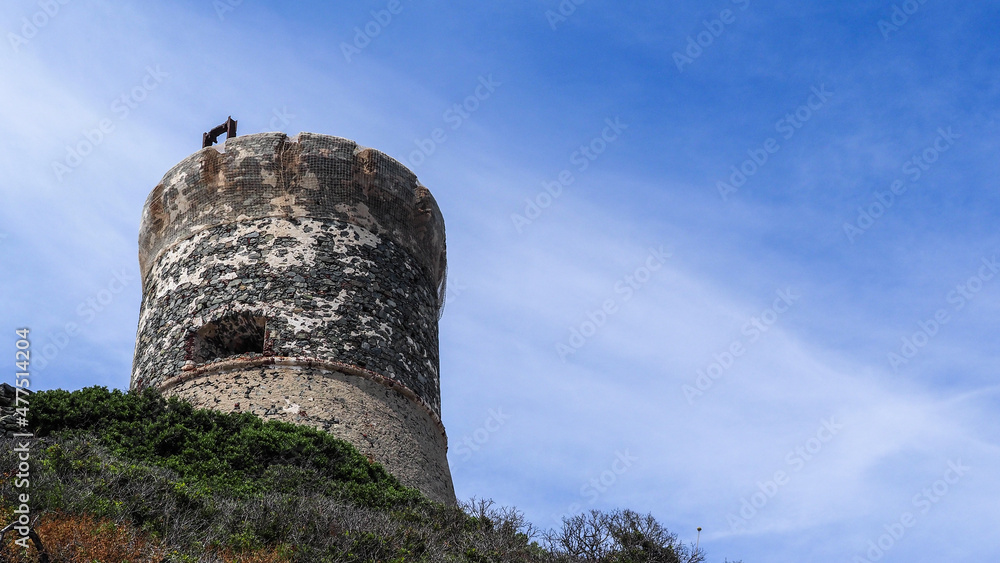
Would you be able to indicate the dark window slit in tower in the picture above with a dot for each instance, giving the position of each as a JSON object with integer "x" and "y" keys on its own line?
{"x": 226, "y": 337}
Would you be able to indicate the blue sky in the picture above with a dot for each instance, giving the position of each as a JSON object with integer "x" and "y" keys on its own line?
{"x": 800, "y": 363}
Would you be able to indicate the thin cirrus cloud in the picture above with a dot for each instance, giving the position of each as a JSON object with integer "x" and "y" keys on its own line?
{"x": 517, "y": 295}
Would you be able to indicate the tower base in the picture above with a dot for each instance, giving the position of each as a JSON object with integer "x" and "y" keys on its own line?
{"x": 382, "y": 419}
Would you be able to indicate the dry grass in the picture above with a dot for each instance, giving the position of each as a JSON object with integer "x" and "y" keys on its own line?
{"x": 81, "y": 538}
{"x": 76, "y": 538}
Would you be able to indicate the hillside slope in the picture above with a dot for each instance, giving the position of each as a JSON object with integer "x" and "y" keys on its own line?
{"x": 134, "y": 477}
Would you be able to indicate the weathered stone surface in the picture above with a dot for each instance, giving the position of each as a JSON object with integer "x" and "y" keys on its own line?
{"x": 308, "y": 270}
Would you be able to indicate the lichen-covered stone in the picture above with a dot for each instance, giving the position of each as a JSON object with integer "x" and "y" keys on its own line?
{"x": 306, "y": 270}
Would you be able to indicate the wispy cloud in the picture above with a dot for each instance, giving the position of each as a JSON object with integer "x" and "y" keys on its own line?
{"x": 520, "y": 288}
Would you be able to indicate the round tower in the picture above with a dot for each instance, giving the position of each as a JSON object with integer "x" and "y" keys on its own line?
{"x": 300, "y": 279}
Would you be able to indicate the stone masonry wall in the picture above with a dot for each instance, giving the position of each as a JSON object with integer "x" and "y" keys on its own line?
{"x": 324, "y": 290}
{"x": 382, "y": 423}
{"x": 301, "y": 271}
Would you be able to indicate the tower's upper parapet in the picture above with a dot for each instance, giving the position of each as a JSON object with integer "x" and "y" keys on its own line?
{"x": 306, "y": 176}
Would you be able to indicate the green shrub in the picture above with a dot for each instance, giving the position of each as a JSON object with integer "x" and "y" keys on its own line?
{"x": 233, "y": 453}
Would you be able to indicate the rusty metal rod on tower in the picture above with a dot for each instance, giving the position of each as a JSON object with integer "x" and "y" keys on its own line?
{"x": 210, "y": 138}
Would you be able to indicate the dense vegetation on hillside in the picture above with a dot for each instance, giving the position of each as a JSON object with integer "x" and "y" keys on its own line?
{"x": 134, "y": 477}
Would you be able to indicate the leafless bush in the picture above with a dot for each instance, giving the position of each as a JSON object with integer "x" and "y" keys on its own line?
{"x": 617, "y": 537}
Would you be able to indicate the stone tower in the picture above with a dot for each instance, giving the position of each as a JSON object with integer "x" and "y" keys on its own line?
{"x": 300, "y": 279}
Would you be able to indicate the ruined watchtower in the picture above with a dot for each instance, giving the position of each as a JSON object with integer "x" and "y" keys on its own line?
{"x": 300, "y": 279}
